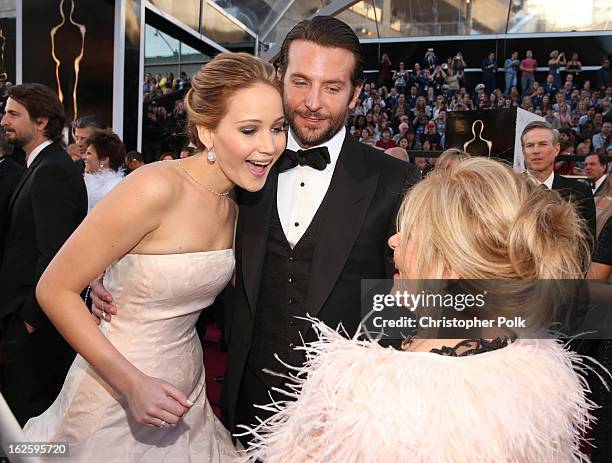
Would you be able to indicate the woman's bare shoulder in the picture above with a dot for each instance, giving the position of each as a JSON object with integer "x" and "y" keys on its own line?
{"x": 157, "y": 183}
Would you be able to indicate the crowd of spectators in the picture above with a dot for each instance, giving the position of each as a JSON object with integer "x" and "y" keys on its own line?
{"x": 164, "y": 115}
{"x": 156, "y": 86}
{"x": 408, "y": 107}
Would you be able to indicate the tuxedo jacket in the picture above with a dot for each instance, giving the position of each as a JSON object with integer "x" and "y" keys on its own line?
{"x": 48, "y": 203}
{"x": 359, "y": 215}
{"x": 10, "y": 173}
{"x": 581, "y": 195}
{"x": 602, "y": 188}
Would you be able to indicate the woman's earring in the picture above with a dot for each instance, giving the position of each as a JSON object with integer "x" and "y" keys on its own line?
{"x": 101, "y": 165}
{"x": 211, "y": 155}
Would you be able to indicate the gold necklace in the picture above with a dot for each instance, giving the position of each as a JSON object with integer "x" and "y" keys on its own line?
{"x": 207, "y": 188}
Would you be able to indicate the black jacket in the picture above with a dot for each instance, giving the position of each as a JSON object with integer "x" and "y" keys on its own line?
{"x": 48, "y": 203}
{"x": 10, "y": 173}
{"x": 361, "y": 205}
{"x": 581, "y": 195}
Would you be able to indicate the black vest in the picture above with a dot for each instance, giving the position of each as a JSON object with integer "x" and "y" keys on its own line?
{"x": 282, "y": 297}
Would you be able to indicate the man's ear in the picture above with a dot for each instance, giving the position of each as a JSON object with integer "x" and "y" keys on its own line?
{"x": 205, "y": 136}
{"x": 279, "y": 75}
{"x": 41, "y": 123}
{"x": 355, "y": 97}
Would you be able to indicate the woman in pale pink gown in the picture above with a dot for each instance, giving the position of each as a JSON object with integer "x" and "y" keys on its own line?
{"x": 136, "y": 392}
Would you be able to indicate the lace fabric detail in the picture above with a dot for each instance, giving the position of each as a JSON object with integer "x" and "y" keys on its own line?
{"x": 466, "y": 347}
{"x": 473, "y": 347}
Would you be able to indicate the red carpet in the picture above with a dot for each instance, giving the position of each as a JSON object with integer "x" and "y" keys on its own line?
{"x": 214, "y": 362}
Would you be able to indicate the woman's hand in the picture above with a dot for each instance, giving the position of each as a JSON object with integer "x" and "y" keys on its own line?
{"x": 156, "y": 403}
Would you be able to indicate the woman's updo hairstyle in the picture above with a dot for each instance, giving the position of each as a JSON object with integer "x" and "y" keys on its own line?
{"x": 217, "y": 81}
{"x": 478, "y": 219}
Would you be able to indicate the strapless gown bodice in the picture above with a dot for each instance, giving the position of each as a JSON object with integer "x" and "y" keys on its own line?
{"x": 159, "y": 298}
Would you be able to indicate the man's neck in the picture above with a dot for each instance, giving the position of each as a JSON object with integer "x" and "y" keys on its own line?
{"x": 542, "y": 176}
{"x": 308, "y": 146}
{"x": 31, "y": 146}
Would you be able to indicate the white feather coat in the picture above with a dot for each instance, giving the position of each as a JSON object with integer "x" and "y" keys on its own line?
{"x": 99, "y": 184}
{"x": 363, "y": 403}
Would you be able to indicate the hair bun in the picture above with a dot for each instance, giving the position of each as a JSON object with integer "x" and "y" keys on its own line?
{"x": 546, "y": 226}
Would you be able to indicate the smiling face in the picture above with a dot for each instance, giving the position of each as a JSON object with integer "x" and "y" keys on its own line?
{"x": 318, "y": 92}
{"x": 92, "y": 160}
{"x": 250, "y": 137}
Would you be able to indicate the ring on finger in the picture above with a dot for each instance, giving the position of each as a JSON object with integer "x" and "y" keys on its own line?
{"x": 163, "y": 424}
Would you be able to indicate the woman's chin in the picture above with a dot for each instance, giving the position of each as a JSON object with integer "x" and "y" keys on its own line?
{"x": 253, "y": 185}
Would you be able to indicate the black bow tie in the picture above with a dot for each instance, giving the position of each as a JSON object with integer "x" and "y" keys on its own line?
{"x": 592, "y": 185}
{"x": 317, "y": 158}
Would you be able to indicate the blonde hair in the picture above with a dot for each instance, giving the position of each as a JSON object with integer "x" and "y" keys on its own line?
{"x": 450, "y": 157}
{"x": 478, "y": 219}
{"x": 217, "y": 81}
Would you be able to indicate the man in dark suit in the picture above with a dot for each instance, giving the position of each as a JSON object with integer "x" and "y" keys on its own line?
{"x": 10, "y": 172}
{"x": 47, "y": 204}
{"x": 541, "y": 146}
{"x": 82, "y": 129}
{"x": 596, "y": 171}
{"x": 317, "y": 228}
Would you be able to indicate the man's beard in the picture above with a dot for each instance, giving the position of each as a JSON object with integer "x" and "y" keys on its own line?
{"x": 307, "y": 138}
{"x": 19, "y": 140}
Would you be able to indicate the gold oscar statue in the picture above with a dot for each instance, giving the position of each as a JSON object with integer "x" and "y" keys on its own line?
{"x": 478, "y": 145}
{"x": 75, "y": 62}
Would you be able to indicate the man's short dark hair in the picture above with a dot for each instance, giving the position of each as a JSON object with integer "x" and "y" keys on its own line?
{"x": 540, "y": 125}
{"x": 40, "y": 101}
{"x": 88, "y": 121}
{"x": 134, "y": 156}
{"x": 328, "y": 32}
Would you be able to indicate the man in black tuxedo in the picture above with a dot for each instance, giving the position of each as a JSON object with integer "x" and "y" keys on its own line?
{"x": 319, "y": 226}
{"x": 47, "y": 204}
{"x": 540, "y": 144}
{"x": 596, "y": 171}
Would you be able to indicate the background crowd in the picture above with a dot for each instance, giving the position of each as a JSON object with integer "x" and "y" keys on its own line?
{"x": 407, "y": 105}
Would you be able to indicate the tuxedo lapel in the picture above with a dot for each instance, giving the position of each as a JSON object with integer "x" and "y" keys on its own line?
{"x": 28, "y": 172}
{"x": 345, "y": 207}
{"x": 255, "y": 213}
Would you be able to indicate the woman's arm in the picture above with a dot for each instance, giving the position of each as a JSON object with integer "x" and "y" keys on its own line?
{"x": 130, "y": 212}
